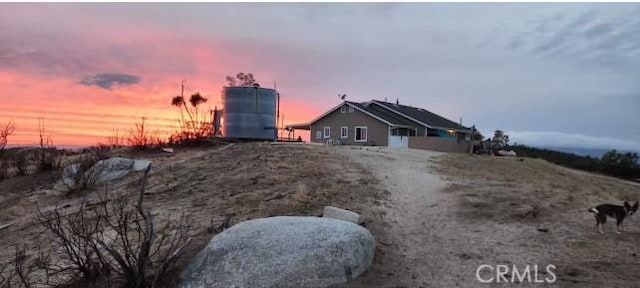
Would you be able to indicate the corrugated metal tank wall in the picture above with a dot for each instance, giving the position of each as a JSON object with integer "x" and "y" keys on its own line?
{"x": 249, "y": 113}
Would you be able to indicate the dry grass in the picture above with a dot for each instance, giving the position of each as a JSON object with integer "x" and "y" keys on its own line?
{"x": 239, "y": 182}
{"x": 522, "y": 195}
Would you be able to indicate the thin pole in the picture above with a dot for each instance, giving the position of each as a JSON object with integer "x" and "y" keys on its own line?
{"x": 278, "y": 107}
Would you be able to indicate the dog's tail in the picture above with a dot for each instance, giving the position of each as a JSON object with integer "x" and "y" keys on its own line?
{"x": 594, "y": 210}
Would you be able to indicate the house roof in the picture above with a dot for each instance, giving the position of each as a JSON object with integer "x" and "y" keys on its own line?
{"x": 352, "y": 104}
{"x": 389, "y": 116}
{"x": 394, "y": 115}
{"x": 421, "y": 115}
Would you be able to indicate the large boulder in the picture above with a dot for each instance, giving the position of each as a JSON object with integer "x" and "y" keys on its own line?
{"x": 283, "y": 251}
{"x": 105, "y": 170}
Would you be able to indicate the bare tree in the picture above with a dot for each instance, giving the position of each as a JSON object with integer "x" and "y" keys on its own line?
{"x": 4, "y": 140}
{"x": 4, "y": 135}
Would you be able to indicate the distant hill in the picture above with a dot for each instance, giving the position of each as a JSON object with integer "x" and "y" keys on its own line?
{"x": 597, "y": 153}
{"x": 593, "y": 152}
{"x": 588, "y": 160}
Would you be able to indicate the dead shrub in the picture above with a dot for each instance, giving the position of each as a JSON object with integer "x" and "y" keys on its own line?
{"x": 140, "y": 137}
{"x": 21, "y": 271}
{"x": 115, "y": 140}
{"x": 47, "y": 157}
{"x": 101, "y": 152}
{"x": 5, "y": 169}
{"x": 302, "y": 199}
{"x": 116, "y": 240}
{"x": 6, "y": 275}
{"x": 21, "y": 162}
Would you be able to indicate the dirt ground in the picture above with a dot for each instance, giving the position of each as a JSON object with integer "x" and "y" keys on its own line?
{"x": 436, "y": 217}
{"x": 241, "y": 181}
{"x": 449, "y": 213}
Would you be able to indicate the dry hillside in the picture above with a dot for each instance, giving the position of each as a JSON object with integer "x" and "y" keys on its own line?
{"x": 436, "y": 216}
{"x": 241, "y": 181}
{"x": 536, "y": 212}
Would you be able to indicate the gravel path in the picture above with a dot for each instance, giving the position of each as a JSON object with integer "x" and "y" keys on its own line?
{"x": 423, "y": 246}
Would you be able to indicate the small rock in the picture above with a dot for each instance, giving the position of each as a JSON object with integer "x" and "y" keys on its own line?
{"x": 342, "y": 214}
{"x": 542, "y": 229}
{"x": 526, "y": 211}
{"x": 274, "y": 197}
{"x": 386, "y": 241}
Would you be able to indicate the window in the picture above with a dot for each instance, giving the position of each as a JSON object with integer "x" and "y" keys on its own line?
{"x": 350, "y": 109}
{"x": 343, "y": 109}
{"x": 327, "y": 132}
{"x": 318, "y": 134}
{"x": 361, "y": 134}
{"x": 344, "y": 132}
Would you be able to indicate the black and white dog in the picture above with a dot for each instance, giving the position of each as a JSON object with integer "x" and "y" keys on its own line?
{"x": 614, "y": 211}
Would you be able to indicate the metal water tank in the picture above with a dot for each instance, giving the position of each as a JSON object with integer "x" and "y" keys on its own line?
{"x": 249, "y": 113}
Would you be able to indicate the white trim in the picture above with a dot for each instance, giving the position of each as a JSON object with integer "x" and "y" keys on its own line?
{"x": 345, "y": 135}
{"x": 343, "y": 109}
{"x": 351, "y": 109}
{"x": 318, "y": 134}
{"x": 351, "y": 105}
{"x": 326, "y": 134}
{"x": 355, "y": 133}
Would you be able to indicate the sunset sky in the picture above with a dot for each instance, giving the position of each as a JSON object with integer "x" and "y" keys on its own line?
{"x": 549, "y": 74}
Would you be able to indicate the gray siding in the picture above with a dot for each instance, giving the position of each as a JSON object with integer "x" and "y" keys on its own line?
{"x": 378, "y": 132}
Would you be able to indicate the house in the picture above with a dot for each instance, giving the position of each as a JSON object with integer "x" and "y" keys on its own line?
{"x": 379, "y": 123}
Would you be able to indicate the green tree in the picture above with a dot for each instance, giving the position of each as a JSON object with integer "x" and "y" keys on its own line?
{"x": 626, "y": 160}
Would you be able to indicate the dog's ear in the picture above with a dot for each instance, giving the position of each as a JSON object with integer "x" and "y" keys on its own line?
{"x": 626, "y": 204}
{"x": 635, "y": 207}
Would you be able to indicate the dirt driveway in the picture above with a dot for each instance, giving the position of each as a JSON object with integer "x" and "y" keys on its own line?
{"x": 422, "y": 245}
{"x": 447, "y": 214}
